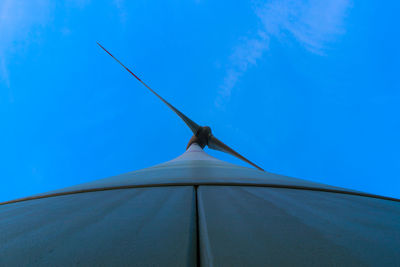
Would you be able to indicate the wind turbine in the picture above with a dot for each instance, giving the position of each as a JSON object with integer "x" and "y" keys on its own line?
{"x": 202, "y": 135}
{"x": 196, "y": 210}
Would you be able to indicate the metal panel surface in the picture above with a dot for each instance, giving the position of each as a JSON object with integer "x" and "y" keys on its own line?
{"x": 195, "y": 167}
{"x": 254, "y": 226}
{"x": 130, "y": 227}
{"x": 194, "y": 172}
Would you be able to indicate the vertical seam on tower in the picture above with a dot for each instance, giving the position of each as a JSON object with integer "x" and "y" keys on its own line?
{"x": 197, "y": 228}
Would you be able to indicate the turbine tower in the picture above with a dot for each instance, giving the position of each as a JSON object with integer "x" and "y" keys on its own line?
{"x": 196, "y": 210}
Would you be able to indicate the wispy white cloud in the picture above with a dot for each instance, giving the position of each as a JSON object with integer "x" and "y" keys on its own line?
{"x": 243, "y": 56}
{"x": 21, "y": 23}
{"x": 123, "y": 15}
{"x": 312, "y": 23}
{"x": 18, "y": 21}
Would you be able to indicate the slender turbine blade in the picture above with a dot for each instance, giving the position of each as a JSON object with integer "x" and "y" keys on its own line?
{"x": 216, "y": 144}
{"x": 191, "y": 124}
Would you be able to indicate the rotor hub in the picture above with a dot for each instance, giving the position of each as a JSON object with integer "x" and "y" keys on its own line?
{"x": 201, "y": 137}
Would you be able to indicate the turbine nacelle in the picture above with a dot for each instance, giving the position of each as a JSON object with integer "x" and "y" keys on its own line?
{"x": 203, "y": 134}
{"x": 201, "y": 137}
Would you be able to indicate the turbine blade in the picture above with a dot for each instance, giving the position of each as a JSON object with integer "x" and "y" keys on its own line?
{"x": 216, "y": 144}
{"x": 191, "y": 124}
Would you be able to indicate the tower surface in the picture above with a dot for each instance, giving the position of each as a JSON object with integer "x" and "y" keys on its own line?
{"x": 198, "y": 210}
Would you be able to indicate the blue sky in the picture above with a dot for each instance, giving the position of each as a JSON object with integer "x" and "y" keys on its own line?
{"x": 309, "y": 89}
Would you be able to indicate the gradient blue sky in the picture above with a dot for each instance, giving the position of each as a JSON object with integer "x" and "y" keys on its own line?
{"x": 309, "y": 89}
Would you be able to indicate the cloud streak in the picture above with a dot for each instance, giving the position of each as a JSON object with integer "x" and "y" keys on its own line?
{"x": 241, "y": 59}
{"x": 311, "y": 23}
{"x": 19, "y": 21}
{"x": 23, "y": 23}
